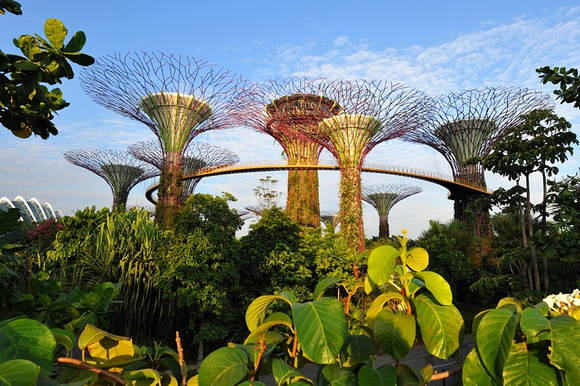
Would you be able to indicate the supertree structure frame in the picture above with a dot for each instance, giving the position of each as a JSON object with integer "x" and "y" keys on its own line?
{"x": 197, "y": 156}
{"x": 329, "y": 219}
{"x": 283, "y": 109}
{"x": 374, "y": 112}
{"x": 383, "y": 198}
{"x": 467, "y": 124}
{"x": 117, "y": 167}
{"x": 177, "y": 97}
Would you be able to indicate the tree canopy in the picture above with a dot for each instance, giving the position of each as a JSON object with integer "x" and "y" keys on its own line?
{"x": 27, "y": 105}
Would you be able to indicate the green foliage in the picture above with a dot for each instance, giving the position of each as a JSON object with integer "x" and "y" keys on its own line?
{"x": 198, "y": 268}
{"x": 521, "y": 344}
{"x": 274, "y": 257}
{"x": 450, "y": 247}
{"x": 320, "y": 331}
{"x": 26, "y": 104}
{"x": 567, "y": 79}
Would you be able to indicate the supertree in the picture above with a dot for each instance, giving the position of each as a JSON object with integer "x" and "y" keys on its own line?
{"x": 374, "y": 112}
{"x": 383, "y": 198}
{"x": 467, "y": 124}
{"x": 176, "y": 97}
{"x": 283, "y": 109}
{"x": 197, "y": 156}
{"x": 329, "y": 219}
{"x": 118, "y": 168}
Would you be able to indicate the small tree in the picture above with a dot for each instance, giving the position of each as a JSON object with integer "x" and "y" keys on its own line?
{"x": 535, "y": 146}
{"x": 568, "y": 80}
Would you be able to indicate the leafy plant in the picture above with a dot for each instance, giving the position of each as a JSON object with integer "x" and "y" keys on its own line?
{"x": 318, "y": 331}
{"x": 26, "y": 104}
{"x": 521, "y": 344}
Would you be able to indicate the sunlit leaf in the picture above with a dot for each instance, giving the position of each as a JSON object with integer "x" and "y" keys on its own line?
{"x": 418, "y": 259}
{"x": 441, "y": 326}
{"x": 381, "y": 262}
{"x": 533, "y": 323}
{"x": 56, "y": 32}
{"x": 321, "y": 329}
{"x": 225, "y": 366}
{"x": 565, "y": 337}
{"x": 437, "y": 285}
{"x": 395, "y": 333}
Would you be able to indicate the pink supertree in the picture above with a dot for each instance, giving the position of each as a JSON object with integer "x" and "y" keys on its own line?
{"x": 176, "y": 97}
{"x": 288, "y": 110}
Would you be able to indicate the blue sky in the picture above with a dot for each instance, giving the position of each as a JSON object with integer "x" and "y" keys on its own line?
{"x": 436, "y": 46}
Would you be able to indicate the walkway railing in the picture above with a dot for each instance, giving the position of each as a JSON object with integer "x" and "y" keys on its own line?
{"x": 242, "y": 167}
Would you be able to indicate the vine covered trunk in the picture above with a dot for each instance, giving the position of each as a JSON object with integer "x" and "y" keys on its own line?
{"x": 303, "y": 204}
{"x": 350, "y": 211}
{"x": 170, "y": 189}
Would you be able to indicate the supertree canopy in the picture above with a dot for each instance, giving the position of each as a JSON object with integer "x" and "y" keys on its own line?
{"x": 118, "y": 168}
{"x": 374, "y": 112}
{"x": 467, "y": 124}
{"x": 197, "y": 156}
{"x": 176, "y": 97}
{"x": 383, "y": 198}
{"x": 286, "y": 110}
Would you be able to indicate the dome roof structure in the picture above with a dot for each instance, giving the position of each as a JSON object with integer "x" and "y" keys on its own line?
{"x": 32, "y": 210}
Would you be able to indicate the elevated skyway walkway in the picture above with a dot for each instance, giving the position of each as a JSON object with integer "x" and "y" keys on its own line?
{"x": 457, "y": 188}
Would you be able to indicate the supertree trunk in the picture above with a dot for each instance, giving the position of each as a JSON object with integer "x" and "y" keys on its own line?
{"x": 303, "y": 203}
{"x": 384, "y": 231}
{"x": 350, "y": 208}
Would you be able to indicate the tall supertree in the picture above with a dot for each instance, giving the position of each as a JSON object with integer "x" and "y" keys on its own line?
{"x": 176, "y": 97}
{"x": 383, "y": 198}
{"x": 374, "y": 112}
{"x": 197, "y": 156}
{"x": 283, "y": 109}
{"x": 467, "y": 124}
{"x": 118, "y": 168}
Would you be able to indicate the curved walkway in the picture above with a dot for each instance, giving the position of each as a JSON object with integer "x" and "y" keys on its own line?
{"x": 456, "y": 188}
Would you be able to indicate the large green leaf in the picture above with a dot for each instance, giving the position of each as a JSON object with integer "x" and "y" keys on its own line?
{"x": 256, "y": 311}
{"x": 285, "y": 374}
{"x": 381, "y": 262}
{"x": 385, "y": 375}
{"x": 441, "y": 326}
{"x": 474, "y": 373}
{"x": 418, "y": 259}
{"x": 225, "y": 366}
{"x": 565, "y": 337}
{"x": 532, "y": 323}
{"x": 476, "y": 321}
{"x": 395, "y": 333}
{"x": 494, "y": 339}
{"x": 18, "y": 372}
{"x": 437, "y": 285}
{"x": 27, "y": 339}
{"x": 357, "y": 349}
{"x": 76, "y": 43}
{"x": 323, "y": 285}
{"x": 333, "y": 375}
{"x": 524, "y": 367}
{"x": 321, "y": 329}
{"x": 379, "y": 304}
{"x": 56, "y": 32}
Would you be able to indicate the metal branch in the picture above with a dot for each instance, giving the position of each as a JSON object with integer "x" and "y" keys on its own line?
{"x": 118, "y": 168}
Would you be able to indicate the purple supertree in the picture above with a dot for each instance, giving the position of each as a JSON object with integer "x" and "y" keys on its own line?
{"x": 118, "y": 168}
{"x": 467, "y": 124}
{"x": 383, "y": 198}
{"x": 197, "y": 156}
{"x": 176, "y": 97}
{"x": 285, "y": 109}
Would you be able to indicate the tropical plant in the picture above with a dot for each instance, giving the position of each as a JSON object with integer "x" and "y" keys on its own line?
{"x": 31, "y": 355}
{"x": 26, "y": 104}
{"x": 517, "y": 343}
{"x": 283, "y": 339}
